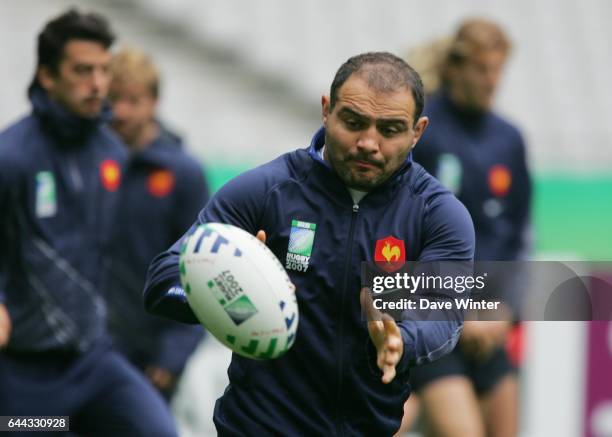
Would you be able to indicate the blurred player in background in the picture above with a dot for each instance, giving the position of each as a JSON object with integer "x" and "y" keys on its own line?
{"x": 60, "y": 171}
{"x": 162, "y": 191}
{"x": 481, "y": 158}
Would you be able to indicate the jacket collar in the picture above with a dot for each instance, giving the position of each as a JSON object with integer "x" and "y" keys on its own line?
{"x": 470, "y": 118}
{"x": 160, "y": 150}
{"x": 70, "y": 129}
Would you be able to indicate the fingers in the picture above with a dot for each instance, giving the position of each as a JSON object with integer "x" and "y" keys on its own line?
{"x": 376, "y": 329}
{"x": 393, "y": 335}
{"x": 160, "y": 378}
{"x": 4, "y": 337}
{"x": 5, "y": 326}
{"x": 388, "y": 357}
{"x": 391, "y": 327}
{"x": 261, "y": 236}
{"x": 373, "y": 316}
{"x": 386, "y": 336}
{"x": 365, "y": 299}
{"x": 393, "y": 348}
{"x": 367, "y": 305}
{"x": 387, "y": 360}
{"x": 388, "y": 374}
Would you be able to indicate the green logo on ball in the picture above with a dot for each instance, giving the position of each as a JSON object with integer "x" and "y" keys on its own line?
{"x": 231, "y": 297}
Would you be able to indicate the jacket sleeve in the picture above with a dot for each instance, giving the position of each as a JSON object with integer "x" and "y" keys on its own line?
{"x": 521, "y": 208}
{"x": 512, "y": 281}
{"x": 237, "y": 203}
{"x": 448, "y": 235}
{"x": 176, "y": 344}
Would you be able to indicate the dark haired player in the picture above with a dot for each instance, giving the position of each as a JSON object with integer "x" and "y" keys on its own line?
{"x": 60, "y": 169}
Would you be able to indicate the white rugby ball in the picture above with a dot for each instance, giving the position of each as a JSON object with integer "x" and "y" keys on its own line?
{"x": 239, "y": 291}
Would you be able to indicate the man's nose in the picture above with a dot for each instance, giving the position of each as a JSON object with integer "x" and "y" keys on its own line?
{"x": 493, "y": 75}
{"x": 100, "y": 81}
{"x": 368, "y": 140}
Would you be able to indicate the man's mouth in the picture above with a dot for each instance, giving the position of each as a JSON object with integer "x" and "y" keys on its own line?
{"x": 365, "y": 165}
{"x": 93, "y": 100}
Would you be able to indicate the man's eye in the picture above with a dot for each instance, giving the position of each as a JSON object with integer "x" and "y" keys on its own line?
{"x": 389, "y": 131}
{"x": 82, "y": 69}
{"x": 353, "y": 124}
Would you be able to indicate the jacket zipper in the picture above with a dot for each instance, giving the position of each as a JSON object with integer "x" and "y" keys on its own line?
{"x": 347, "y": 266}
{"x": 75, "y": 174}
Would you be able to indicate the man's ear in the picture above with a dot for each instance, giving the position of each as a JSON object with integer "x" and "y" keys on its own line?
{"x": 324, "y": 108}
{"x": 419, "y": 128}
{"x": 45, "y": 77}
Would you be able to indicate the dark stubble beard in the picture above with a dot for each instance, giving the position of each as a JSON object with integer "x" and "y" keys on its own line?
{"x": 343, "y": 169}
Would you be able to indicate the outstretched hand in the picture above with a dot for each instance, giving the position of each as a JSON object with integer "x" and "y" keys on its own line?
{"x": 386, "y": 337}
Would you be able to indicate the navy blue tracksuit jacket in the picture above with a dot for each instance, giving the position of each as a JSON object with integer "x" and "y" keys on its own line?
{"x": 162, "y": 191}
{"x": 328, "y": 382}
{"x": 59, "y": 180}
{"x": 481, "y": 158}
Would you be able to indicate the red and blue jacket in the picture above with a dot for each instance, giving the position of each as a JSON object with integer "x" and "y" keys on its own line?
{"x": 328, "y": 382}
